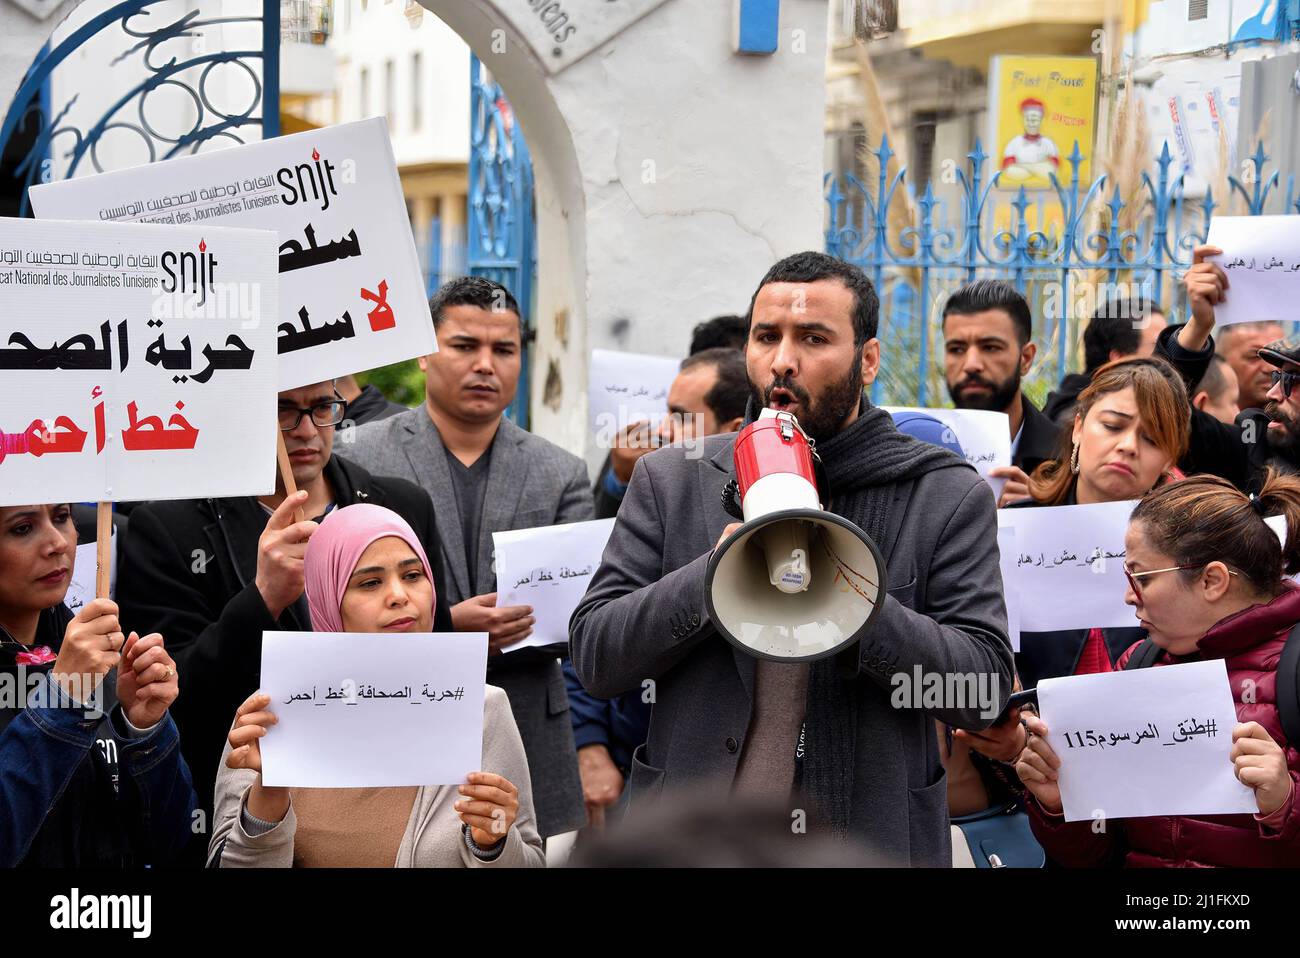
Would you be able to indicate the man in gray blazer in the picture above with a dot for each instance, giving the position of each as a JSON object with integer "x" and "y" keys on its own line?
{"x": 834, "y": 737}
{"x": 487, "y": 475}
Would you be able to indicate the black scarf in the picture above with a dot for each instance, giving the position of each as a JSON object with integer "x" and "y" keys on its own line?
{"x": 863, "y": 463}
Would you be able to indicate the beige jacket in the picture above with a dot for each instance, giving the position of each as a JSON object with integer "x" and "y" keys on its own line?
{"x": 433, "y": 837}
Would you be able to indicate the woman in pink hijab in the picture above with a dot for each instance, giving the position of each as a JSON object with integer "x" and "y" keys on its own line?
{"x": 367, "y": 572}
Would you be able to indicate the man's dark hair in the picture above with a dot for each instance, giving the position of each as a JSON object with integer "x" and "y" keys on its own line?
{"x": 1213, "y": 381}
{"x": 726, "y": 398}
{"x": 1112, "y": 328}
{"x": 810, "y": 266}
{"x": 472, "y": 291}
{"x": 720, "y": 332}
{"x": 985, "y": 294}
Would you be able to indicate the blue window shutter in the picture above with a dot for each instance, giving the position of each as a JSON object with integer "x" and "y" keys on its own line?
{"x": 757, "y": 26}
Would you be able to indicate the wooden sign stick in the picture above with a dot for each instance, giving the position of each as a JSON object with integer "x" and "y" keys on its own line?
{"x": 103, "y": 548}
{"x": 286, "y": 472}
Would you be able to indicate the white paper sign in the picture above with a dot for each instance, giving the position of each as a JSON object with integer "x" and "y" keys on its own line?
{"x": 358, "y": 710}
{"x": 623, "y": 388}
{"x": 984, "y": 436}
{"x": 82, "y": 587}
{"x": 138, "y": 362}
{"x": 1261, "y": 258}
{"x": 351, "y": 293}
{"x": 1151, "y": 741}
{"x": 1008, "y": 555}
{"x": 1069, "y": 566}
{"x": 548, "y": 568}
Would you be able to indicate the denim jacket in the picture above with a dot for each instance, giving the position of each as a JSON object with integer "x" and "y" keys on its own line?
{"x": 77, "y": 788}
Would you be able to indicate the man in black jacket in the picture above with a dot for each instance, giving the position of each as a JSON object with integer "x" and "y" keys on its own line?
{"x": 1119, "y": 329}
{"x": 212, "y": 574}
{"x": 987, "y": 348}
{"x": 1243, "y": 451}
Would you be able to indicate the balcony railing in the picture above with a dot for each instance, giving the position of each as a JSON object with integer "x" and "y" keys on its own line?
{"x": 304, "y": 21}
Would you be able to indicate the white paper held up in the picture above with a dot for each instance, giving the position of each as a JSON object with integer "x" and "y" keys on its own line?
{"x": 361, "y": 710}
{"x": 1144, "y": 742}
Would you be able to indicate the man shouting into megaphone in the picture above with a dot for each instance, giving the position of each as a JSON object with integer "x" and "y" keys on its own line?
{"x": 768, "y": 690}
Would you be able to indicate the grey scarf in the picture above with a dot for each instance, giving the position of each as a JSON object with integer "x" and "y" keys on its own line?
{"x": 863, "y": 464}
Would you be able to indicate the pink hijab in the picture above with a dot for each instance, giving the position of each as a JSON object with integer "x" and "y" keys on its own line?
{"x": 334, "y": 550}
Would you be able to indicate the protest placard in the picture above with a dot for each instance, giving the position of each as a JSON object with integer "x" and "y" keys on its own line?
{"x": 1261, "y": 258}
{"x": 1068, "y": 571}
{"x": 623, "y": 388}
{"x": 138, "y": 362}
{"x": 352, "y": 296}
{"x": 984, "y": 437}
{"x": 360, "y": 710}
{"x": 548, "y": 568}
{"x": 1145, "y": 742}
{"x": 1008, "y": 555}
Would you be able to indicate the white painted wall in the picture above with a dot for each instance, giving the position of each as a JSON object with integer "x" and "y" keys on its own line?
{"x": 370, "y": 36}
{"x": 23, "y": 35}
{"x": 677, "y": 171}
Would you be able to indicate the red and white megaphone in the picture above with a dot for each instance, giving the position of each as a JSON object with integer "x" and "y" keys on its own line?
{"x": 794, "y": 583}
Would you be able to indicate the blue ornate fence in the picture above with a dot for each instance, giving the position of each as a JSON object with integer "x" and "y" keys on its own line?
{"x": 39, "y": 141}
{"x": 501, "y": 232}
{"x": 916, "y": 267}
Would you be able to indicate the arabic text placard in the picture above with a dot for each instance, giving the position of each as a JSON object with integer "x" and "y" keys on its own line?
{"x": 136, "y": 362}
{"x": 352, "y": 296}
{"x": 359, "y": 710}
{"x": 1151, "y": 741}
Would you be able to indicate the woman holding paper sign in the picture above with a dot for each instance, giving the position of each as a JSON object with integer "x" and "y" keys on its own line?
{"x": 367, "y": 572}
{"x": 90, "y": 768}
{"x": 1206, "y": 579}
{"x": 1130, "y": 430}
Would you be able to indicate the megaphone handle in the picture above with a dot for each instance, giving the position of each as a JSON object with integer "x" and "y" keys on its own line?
{"x": 731, "y": 501}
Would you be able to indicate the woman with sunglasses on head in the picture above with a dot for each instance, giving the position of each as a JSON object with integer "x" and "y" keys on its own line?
{"x": 1129, "y": 431}
{"x": 366, "y": 571}
{"x": 90, "y": 768}
{"x": 1206, "y": 580}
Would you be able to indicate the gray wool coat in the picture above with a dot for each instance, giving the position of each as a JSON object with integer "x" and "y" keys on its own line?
{"x": 531, "y": 482}
{"x": 644, "y": 617}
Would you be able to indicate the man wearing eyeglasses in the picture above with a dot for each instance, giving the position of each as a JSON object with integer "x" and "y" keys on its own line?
{"x": 1239, "y": 452}
{"x": 212, "y": 574}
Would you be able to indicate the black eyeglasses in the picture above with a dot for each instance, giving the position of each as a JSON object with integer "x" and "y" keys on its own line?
{"x": 1288, "y": 381}
{"x": 322, "y": 414}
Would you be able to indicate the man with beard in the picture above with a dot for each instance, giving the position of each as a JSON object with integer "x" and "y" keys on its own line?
{"x": 987, "y": 349}
{"x": 725, "y": 724}
{"x": 1239, "y": 452}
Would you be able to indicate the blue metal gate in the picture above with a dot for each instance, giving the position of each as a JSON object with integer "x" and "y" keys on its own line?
{"x": 914, "y": 267}
{"x": 501, "y": 231}
{"x": 39, "y": 141}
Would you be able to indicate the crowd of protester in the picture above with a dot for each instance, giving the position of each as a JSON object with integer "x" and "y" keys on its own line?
{"x": 136, "y": 739}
